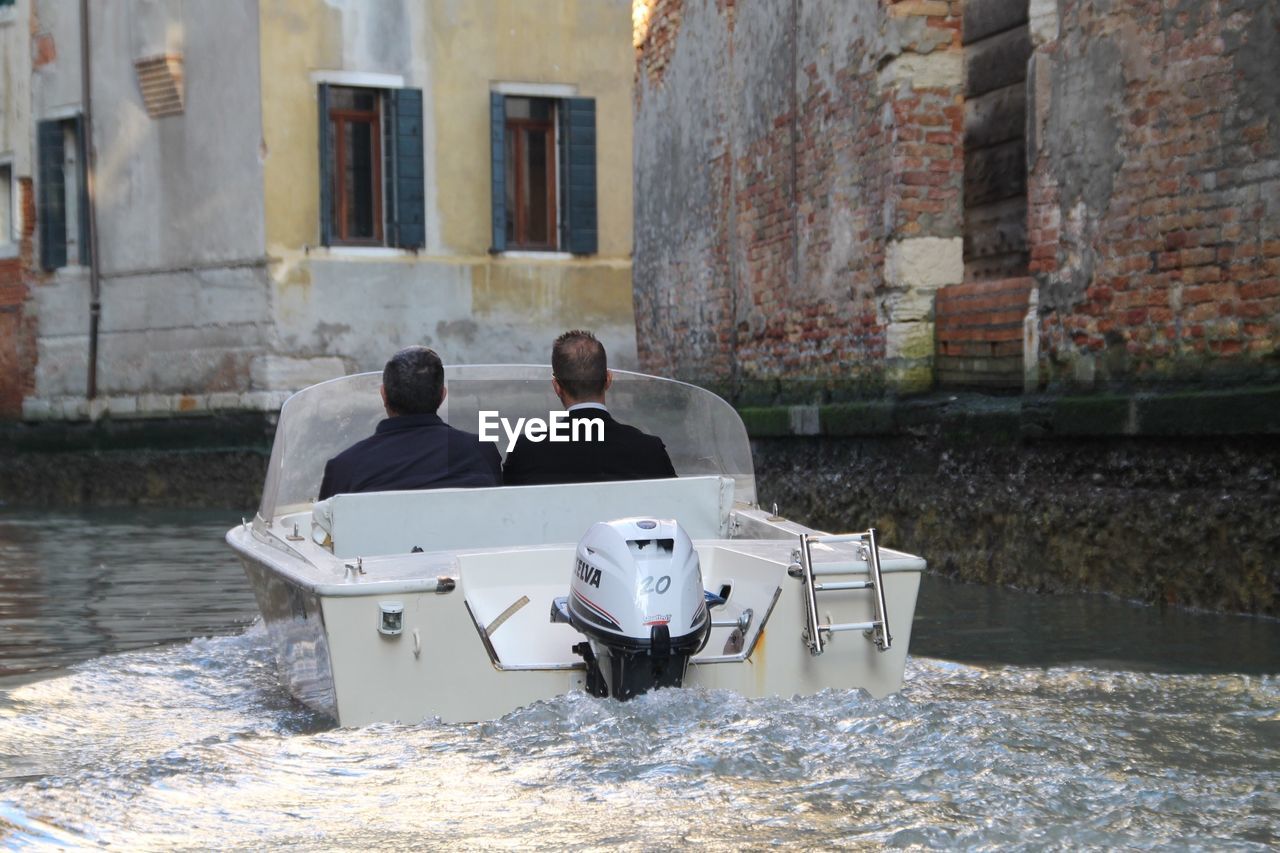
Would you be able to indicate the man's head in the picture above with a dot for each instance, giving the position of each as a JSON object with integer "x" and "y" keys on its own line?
{"x": 579, "y": 368}
{"x": 413, "y": 382}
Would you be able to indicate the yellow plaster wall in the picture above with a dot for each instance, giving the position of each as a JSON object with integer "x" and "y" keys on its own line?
{"x": 588, "y": 294}
{"x": 459, "y": 49}
{"x": 586, "y": 43}
{"x": 297, "y": 37}
{"x": 464, "y": 46}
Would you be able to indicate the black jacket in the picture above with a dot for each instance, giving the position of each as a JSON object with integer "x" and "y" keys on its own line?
{"x": 625, "y": 454}
{"x": 412, "y": 452}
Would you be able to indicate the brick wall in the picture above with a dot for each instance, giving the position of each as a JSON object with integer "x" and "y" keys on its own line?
{"x": 981, "y": 332}
{"x": 17, "y": 328}
{"x": 655, "y": 24}
{"x": 798, "y": 183}
{"x": 1154, "y": 190}
{"x": 799, "y": 173}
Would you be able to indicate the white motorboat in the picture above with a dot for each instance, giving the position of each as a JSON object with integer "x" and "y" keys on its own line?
{"x": 463, "y": 604}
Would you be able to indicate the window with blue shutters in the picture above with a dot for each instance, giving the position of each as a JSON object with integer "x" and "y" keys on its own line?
{"x": 580, "y": 176}
{"x": 543, "y": 170}
{"x": 371, "y": 168}
{"x": 407, "y": 196}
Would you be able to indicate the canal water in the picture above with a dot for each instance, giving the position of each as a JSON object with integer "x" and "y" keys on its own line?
{"x": 139, "y": 710}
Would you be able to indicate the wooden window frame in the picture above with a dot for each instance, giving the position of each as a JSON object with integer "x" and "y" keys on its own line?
{"x": 519, "y": 128}
{"x": 339, "y": 117}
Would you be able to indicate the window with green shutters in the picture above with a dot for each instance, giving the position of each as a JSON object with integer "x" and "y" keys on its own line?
{"x": 371, "y": 168}
{"x": 543, "y": 173}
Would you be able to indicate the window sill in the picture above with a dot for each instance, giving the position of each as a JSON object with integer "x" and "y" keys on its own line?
{"x": 67, "y": 271}
{"x": 361, "y": 251}
{"x": 9, "y": 250}
{"x": 535, "y": 255}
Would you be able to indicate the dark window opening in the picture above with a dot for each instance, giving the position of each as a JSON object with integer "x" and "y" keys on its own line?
{"x": 355, "y": 126}
{"x": 531, "y": 219}
{"x": 8, "y": 222}
{"x": 61, "y": 204}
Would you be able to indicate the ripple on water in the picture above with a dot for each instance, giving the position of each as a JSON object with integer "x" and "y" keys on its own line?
{"x": 195, "y": 746}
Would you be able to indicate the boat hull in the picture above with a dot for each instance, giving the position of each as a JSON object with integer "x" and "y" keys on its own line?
{"x": 483, "y": 644}
{"x": 294, "y": 620}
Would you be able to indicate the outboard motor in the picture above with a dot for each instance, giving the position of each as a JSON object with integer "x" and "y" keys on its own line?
{"x": 637, "y": 595}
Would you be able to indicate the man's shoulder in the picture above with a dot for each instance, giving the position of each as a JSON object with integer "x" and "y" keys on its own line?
{"x": 358, "y": 449}
{"x": 632, "y": 432}
{"x": 648, "y": 453}
{"x": 461, "y": 436}
{"x": 462, "y": 441}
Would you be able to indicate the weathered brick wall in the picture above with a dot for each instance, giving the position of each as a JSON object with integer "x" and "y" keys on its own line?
{"x": 981, "y": 333}
{"x": 1154, "y": 190}
{"x": 17, "y": 327}
{"x": 655, "y": 25}
{"x": 798, "y": 170}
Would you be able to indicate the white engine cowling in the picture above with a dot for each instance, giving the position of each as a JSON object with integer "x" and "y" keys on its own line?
{"x": 637, "y": 594}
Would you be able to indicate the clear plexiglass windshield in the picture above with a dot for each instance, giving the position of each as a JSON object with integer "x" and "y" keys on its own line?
{"x": 703, "y": 434}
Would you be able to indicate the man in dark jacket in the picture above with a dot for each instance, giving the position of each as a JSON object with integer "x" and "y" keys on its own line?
{"x": 580, "y": 378}
{"x": 412, "y": 448}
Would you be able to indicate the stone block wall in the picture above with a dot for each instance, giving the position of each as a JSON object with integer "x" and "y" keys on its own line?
{"x": 1154, "y": 190}
{"x": 798, "y": 174}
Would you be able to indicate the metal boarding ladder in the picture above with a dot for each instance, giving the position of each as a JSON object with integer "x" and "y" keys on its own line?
{"x": 878, "y": 630}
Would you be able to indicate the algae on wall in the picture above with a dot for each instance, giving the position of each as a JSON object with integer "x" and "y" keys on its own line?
{"x": 1184, "y": 521}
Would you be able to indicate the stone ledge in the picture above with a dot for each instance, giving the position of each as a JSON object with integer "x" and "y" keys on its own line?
{"x": 767, "y": 421}
{"x": 974, "y": 417}
{"x": 874, "y": 417}
{"x": 1235, "y": 412}
{"x": 151, "y": 406}
{"x": 252, "y": 431}
{"x": 969, "y": 417}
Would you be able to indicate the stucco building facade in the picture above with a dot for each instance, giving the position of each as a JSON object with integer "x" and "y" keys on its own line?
{"x": 288, "y": 190}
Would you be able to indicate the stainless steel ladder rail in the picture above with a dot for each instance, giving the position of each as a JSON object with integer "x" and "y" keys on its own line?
{"x": 879, "y": 627}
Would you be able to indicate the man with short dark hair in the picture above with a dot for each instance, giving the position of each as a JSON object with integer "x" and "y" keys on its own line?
{"x": 412, "y": 448}
{"x": 580, "y": 377}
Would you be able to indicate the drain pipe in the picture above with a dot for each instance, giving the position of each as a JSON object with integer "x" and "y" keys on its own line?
{"x": 86, "y": 143}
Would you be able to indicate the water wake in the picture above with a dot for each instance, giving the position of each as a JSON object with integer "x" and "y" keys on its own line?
{"x": 195, "y": 746}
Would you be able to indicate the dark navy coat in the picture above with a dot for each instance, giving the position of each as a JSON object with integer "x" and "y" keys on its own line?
{"x": 412, "y": 452}
{"x": 625, "y": 454}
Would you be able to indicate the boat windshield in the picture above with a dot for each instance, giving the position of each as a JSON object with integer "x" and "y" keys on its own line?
{"x": 703, "y": 433}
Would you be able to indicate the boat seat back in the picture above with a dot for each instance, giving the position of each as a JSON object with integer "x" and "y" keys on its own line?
{"x": 373, "y": 523}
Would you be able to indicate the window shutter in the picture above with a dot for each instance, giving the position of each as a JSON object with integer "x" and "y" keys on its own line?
{"x": 498, "y": 169}
{"x": 326, "y": 169}
{"x": 580, "y": 195}
{"x": 51, "y": 202}
{"x": 410, "y": 229}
